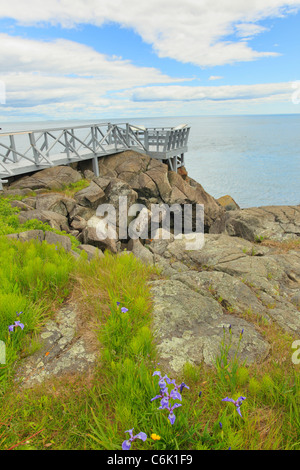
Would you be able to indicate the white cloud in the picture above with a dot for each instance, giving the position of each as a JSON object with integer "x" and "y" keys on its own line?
{"x": 215, "y": 77}
{"x": 247, "y": 30}
{"x": 63, "y": 57}
{"x": 189, "y": 31}
{"x": 36, "y": 72}
{"x": 211, "y": 93}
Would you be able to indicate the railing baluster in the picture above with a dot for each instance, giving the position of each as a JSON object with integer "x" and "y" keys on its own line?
{"x": 33, "y": 145}
{"x": 60, "y": 146}
{"x": 13, "y": 146}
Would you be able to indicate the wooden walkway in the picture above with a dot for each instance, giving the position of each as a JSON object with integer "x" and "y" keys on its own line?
{"x": 29, "y": 151}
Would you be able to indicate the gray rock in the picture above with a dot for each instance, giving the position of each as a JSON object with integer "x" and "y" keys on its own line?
{"x": 32, "y": 235}
{"x": 243, "y": 276}
{"x": 20, "y": 205}
{"x": 296, "y": 299}
{"x": 30, "y": 201}
{"x": 140, "y": 251}
{"x": 91, "y": 196}
{"x": 101, "y": 182}
{"x": 189, "y": 328}
{"x": 90, "y": 237}
{"x": 91, "y": 251}
{"x": 56, "y": 177}
{"x": 62, "y": 351}
{"x": 151, "y": 179}
{"x": 78, "y": 223}
{"x": 230, "y": 292}
{"x": 55, "y": 202}
{"x": 57, "y": 221}
{"x": 254, "y": 224}
{"x": 54, "y": 239}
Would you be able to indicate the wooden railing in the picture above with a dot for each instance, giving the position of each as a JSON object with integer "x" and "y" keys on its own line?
{"x": 27, "y": 151}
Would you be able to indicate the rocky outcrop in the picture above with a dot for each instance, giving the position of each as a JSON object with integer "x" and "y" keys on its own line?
{"x": 139, "y": 178}
{"x": 230, "y": 281}
{"x": 63, "y": 351}
{"x": 189, "y": 327}
{"x": 257, "y": 223}
{"x": 56, "y": 177}
{"x": 53, "y": 219}
{"x": 154, "y": 183}
{"x": 50, "y": 237}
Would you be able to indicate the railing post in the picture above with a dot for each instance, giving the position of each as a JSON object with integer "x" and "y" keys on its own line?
{"x": 13, "y": 146}
{"x": 67, "y": 144}
{"x": 46, "y": 143}
{"x": 127, "y": 134}
{"x": 146, "y": 139}
{"x": 95, "y": 158}
{"x": 110, "y": 136}
{"x": 33, "y": 145}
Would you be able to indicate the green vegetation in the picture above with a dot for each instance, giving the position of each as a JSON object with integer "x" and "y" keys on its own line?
{"x": 9, "y": 221}
{"x": 33, "y": 276}
{"x": 79, "y": 412}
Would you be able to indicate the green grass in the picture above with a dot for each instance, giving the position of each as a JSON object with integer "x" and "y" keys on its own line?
{"x": 9, "y": 221}
{"x": 94, "y": 412}
{"x": 33, "y": 276}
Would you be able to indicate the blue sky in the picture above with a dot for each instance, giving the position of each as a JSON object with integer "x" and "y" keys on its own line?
{"x": 102, "y": 59}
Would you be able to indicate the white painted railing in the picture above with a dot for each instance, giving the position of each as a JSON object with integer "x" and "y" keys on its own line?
{"x": 27, "y": 151}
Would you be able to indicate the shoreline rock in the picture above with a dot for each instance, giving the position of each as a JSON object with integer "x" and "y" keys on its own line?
{"x": 231, "y": 280}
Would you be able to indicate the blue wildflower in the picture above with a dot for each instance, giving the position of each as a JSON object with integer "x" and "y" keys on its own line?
{"x": 165, "y": 396}
{"x": 237, "y": 403}
{"x": 127, "y": 444}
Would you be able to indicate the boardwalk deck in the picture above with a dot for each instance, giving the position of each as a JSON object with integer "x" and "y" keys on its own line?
{"x": 29, "y": 151}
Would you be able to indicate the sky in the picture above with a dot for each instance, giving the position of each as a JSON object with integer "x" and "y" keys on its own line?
{"x": 113, "y": 59}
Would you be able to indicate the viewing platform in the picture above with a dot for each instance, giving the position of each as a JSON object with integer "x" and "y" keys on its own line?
{"x": 29, "y": 151}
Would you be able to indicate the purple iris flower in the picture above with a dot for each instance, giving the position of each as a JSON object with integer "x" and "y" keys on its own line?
{"x": 157, "y": 372}
{"x": 237, "y": 403}
{"x": 124, "y": 309}
{"x": 164, "y": 403}
{"x": 162, "y": 384}
{"x": 175, "y": 395}
{"x": 17, "y": 323}
{"x": 182, "y": 386}
{"x": 127, "y": 444}
{"x": 171, "y": 416}
{"x": 166, "y": 396}
{"x": 118, "y": 303}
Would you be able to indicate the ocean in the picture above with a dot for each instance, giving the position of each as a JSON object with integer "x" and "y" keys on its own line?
{"x": 254, "y": 159}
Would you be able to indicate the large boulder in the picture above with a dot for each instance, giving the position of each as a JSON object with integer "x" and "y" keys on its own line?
{"x": 39, "y": 235}
{"x": 91, "y": 251}
{"x": 56, "y": 177}
{"x": 154, "y": 183}
{"x": 140, "y": 251}
{"x": 147, "y": 176}
{"x": 55, "y": 202}
{"x": 91, "y": 196}
{"x": 91, "y": 236}
{"x": 57, "y": 221}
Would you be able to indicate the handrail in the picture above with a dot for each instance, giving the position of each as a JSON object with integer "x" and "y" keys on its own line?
{"x": 31, "y": 150}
